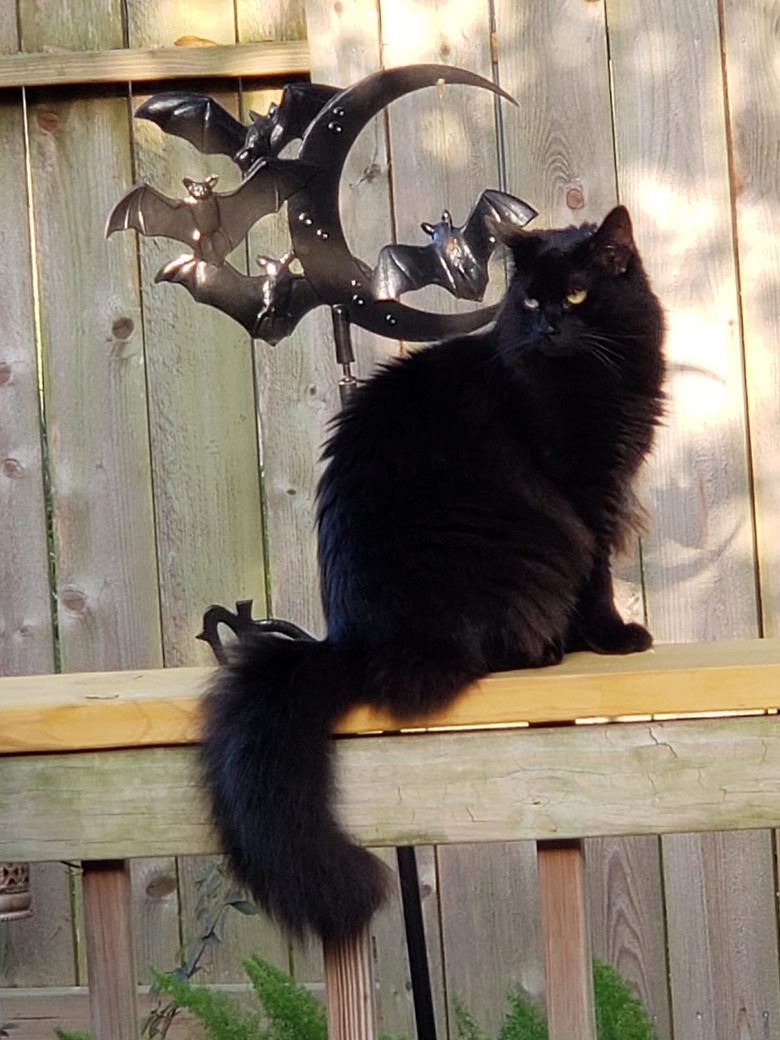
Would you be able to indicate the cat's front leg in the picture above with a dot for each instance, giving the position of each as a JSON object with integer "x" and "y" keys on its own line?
{"x": 596, "y": 624}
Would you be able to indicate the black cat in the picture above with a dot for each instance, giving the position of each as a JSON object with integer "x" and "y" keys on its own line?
{"x": 473, "y": 495}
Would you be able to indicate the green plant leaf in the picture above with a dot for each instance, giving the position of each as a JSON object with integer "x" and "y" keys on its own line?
{"x": 620, "y": 1014}
{"x": 222, "y": 1017}
{"x": 524, "y": 1021}
{"x": 293, "y": 1013}
{"x": 244, "y": 907}
{"x": 466, "y": 1027}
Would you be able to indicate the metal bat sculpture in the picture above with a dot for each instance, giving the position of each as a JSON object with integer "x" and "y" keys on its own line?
{"x": 456, "y": 258}
{"x": 211, "y": 223}
{"x": 213, "y": 131}
{"x": 269, "y": 306}
{"x": 328, "y": 121}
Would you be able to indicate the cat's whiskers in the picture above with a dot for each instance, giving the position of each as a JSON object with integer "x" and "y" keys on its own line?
{"x": 600, "y": 348}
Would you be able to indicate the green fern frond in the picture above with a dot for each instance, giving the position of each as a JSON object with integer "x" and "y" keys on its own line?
{"x": 293, "y": 1013}
{"x": 221, "y": 1016}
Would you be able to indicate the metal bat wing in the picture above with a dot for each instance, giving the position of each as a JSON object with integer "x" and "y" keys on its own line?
{"x": 197, "y": 118}
{"x": 402, "y": 268}
{"x": 491, "y": 208}
{"x": 268, "y": 184}
{"x": 269, "y": 306}
{"x": 149, "y": 211}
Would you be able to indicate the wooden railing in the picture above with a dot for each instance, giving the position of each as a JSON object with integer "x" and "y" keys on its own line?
{"x": 100, "y": 767}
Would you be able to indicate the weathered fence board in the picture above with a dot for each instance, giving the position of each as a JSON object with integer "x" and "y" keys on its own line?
{"x": 641, "y": 778}
{"x": 673, "y": 171}
{"x": 153, "y": 63}
{"x": 500, "y": 912}
{"x": 628, "y": 920}
{"x": 751, "y": 40}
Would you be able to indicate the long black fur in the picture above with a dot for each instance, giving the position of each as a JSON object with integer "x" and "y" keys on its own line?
{"x": 474, "y": 493}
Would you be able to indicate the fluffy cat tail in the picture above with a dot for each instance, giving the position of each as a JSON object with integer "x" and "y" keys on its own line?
{"x": 267, "y": 763}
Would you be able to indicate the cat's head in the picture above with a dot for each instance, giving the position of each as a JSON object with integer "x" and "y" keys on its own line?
{"x": 576, "y": 287}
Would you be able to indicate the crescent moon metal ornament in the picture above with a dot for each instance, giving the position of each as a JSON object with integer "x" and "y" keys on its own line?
{"x": 329, "y": 121}
{"x": 318, "y": 237}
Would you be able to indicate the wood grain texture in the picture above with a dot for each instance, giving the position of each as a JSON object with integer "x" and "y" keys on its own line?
{"x": 558, "y": 141}
{"x": 155, "y": 916}
{"x": 153, "y": 63}
{"x": 751, "y": 39}
{"x": 37, "y": 1011}
{"x": 394, "y": 1006}
{"x": 201, "y": 392}
{"x": 162, "y": 706}
{"x": 491, "y": 927}
{"x": 673, "y": 171}
{"x": 673, "y": 174}
{"x": 349, "y": 990}
{"x": 492, "y": 785}
{"x": 26, "y": 639}
{"x": 718, "y": 888}
{"x": 109, "y": 941}
{"x": 627, "y": 918}
{"x": 95, "y": 394}
{"x": 565, "y": 928}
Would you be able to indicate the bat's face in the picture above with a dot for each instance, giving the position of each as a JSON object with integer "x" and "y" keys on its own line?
{"x": 199, "y": 190}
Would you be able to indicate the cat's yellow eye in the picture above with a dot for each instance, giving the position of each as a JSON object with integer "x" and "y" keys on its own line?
{"x": 577, "y": 297}
{"x": 531, "y": 304}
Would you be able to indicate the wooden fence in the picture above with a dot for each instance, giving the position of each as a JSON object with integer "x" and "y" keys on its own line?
{"x": 167, "y": 462}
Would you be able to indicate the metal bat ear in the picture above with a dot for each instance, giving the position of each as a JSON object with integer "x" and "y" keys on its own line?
{"x": 429, "y": 229}
{"x": 254, "y": 116}
{"x": 187, "y": 182}
{"x": 213, "y": 180}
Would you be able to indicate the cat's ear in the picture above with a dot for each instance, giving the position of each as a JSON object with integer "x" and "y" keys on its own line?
{"x": 612, "y": 246}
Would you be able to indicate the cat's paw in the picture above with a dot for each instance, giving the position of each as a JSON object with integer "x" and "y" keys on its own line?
{"x": 621, "y": 639}
{"x": 552, "y": 653}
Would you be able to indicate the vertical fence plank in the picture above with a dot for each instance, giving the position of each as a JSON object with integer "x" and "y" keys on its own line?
{"x": 673, "y": 172}
{"x": 112, "y": 996}
{"x": 26, "y": 638}
{"x": 558, "y": 143}
{"x": 627, "y": 918}
{"x": 201, "y": 396}
{"x": 491, "y": 927}
{"x": 752, "y": 38}
{"x": 751, "y": 32}
{"x": 97, "y": 443}
{"x": 723, "y": 943}
{"x": 570, "y": 1007}
{"x": 93, "y": 363}
{"x": 204, "y": 435}
{"x": 349, "y": 990}
{"x": 26, "y": 630}
{"x": 155, "y": 908}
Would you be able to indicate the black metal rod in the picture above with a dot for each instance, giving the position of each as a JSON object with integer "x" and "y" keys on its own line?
{"x": 345, "y": 355}
{"x": 415, "y": 942}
